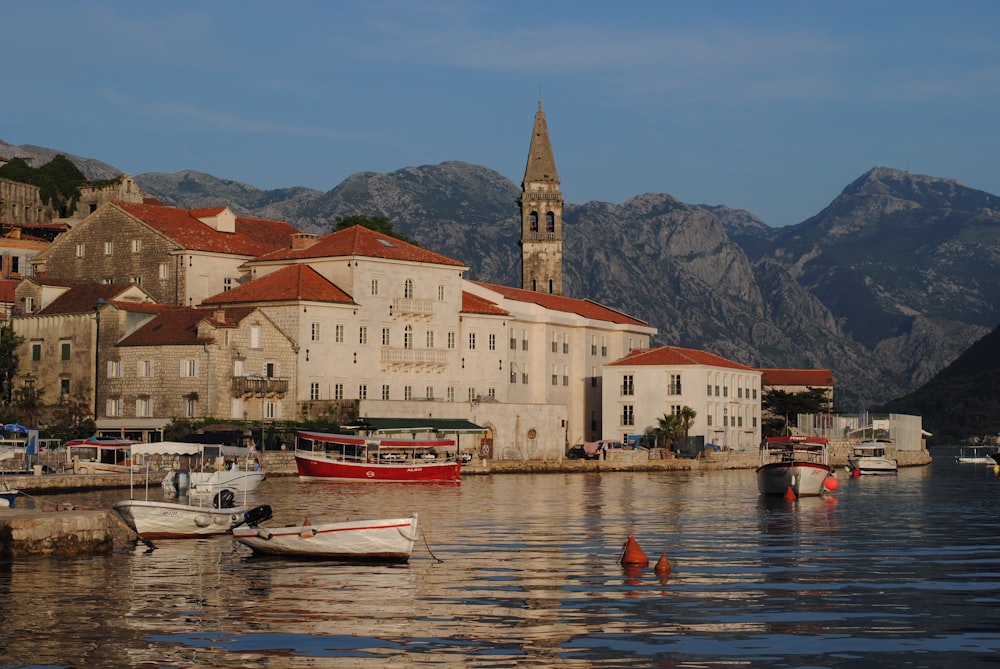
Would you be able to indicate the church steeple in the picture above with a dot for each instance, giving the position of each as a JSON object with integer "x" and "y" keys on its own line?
{"x": 541, "y": 207}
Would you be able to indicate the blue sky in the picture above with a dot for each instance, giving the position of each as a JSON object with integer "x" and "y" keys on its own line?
{"x": 773, "y": 107}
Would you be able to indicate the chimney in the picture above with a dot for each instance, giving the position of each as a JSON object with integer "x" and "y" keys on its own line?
{"x": 302, "y": 240}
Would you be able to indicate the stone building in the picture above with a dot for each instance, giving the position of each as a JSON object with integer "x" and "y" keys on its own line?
{"x": 644, "y": 385}
{"x": 792, "y": 381}
{"x": 178, "y": 256}
{"x": 541, "y": 206}
{"x": 21, "y": 204}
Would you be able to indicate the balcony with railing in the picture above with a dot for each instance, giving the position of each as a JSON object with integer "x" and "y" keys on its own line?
{"x": 408, "y": 306}
{"x": 259, "y": 386}
{"x": 413, "y": 357}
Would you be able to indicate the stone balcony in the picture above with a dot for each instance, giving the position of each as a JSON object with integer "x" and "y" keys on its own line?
{"x": 405, "y": 306}
{"x": 413, "y": 357}
{"x": 259, "y": 386}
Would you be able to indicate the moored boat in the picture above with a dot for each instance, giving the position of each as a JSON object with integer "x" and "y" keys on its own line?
{"x": 795, "y": 465}
{"x": 210, "y": 468}
{"x": 154, "y": 519}
{"x": 976, "y": 456}
{"x": 870, "y": 457}
{"x": 383, "y": 540}
{"x": 338, "y": 457}
{"x": 98, "y": 455}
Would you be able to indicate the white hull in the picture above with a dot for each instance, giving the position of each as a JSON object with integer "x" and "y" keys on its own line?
{"x": 389, "y": 539}
{"x": 805, "y": 479}
{"x": 235, "y": 480}
{"x": 166, "y": 520}
{"x": 872, "y": 465}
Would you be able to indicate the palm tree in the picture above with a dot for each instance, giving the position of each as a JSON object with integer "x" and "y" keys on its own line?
{"x": 667, "y": 428}
{"x": 687, "y": 417}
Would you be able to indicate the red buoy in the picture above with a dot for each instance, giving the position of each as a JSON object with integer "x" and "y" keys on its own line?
{"x": 662, "y": 565}
{"x": 790, "y": 494}
{"x": 856, "y": 472}
{"x": 632, "y": 553}
{"x": 831, "y": 483}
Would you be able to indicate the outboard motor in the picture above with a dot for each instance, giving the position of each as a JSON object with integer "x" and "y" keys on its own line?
{"x": 256, "y": 516}
{"x": 224, "y": 499}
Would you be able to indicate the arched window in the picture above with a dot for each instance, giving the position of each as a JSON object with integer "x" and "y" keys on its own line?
{"x": 550, "y": 222}
{"x": 533, "y": 221}
{"x": 408, "y": 337}
{"x": 408, "y": 289}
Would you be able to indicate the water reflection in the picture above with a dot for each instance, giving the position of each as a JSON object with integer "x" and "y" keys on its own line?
{"x": 522, "y": 570}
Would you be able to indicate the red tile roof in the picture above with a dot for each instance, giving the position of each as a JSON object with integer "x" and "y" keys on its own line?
{"x": 179, "y": 326}
{"x": 252, "y": 236}
{"x": 473, "y": 304}
{"x": 670, "y": 356}
{"x": 585, "y": 308}
{"x": 295, "y": 282}
{"x": 796, "y": 377}
{"x": 364, "y": 242}
{"x": 80, "y": 299}
{"x": 7, "y": 287}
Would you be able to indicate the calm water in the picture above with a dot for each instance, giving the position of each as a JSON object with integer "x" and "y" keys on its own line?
{"x": 521, "y": 571}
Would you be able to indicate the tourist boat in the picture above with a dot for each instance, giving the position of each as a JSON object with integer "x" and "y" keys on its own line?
{"x": 869, "y": 457}
{"x": 794, "y": 465}
{"x": 210, "y": 468}
{"x": 380, "y": 540}
{"x": 98, "y": 455}
{"x": 320, "y": 456}
{"x": 153, "y": 519}
{"x": 976, "y": 456}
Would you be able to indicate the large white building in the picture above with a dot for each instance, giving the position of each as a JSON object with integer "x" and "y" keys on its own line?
{"x": 643, "y": 386}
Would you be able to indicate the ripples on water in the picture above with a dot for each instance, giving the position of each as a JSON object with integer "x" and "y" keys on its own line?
{"x": 521, "y": 571}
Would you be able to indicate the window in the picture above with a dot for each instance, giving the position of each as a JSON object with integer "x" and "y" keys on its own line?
{"x": 29, "y": 305}
{"x": 429, "y": 392}
{"x": 64, "y": 349}
{"x": 385, "y": 336}
{"x": 363, "y": 334}
{"x": 430, "y": 339}
{"x": 725, "y": 391}
{"x": 491, "y": 393}
{"x": 533, "y": 221}
{"x": 64, "y": 386}
{"x": 524, "y": 340}
{"x": 338, "y": 334}
{"x": 270, "y": 410}
{"x": 239, "y": 367}
{"x": 716, "y": 391}
{"x": 440, "y": 293}
{"x": 493, "y": 342}
{"x": 550, "y": 222}
{"x": 565, "y": 343}
{"x": 227, "y": 285}
{"x": 237, "y": 410}
{"x": 628, "y": 385}
{"x": 143, "y": 407}
{"x": 137, "y": 280}
{"x": 109, "y": 248}
{"x": 255, "y": 336}
{"x": 450, "y": 394}
{"x": 513, "y": 373}
{"x": 472, "y": 341}
{"x": 36, "y": 352}
{"x": 314, "y": 332}
{"x": 270, "y": 370}
{"x": 144, "y": 368}
{"x": 628, "y": 415}
{"x": 408, "y": 289}
{"x": 674, "y": 387}
{"x": 338, "y": 391}
{"x": 80, "y": 250}
{"x": 472, "y": 394}
{"x": 710, "y": 390}
{"x": 108, "y": 280}
{"x": 136, "y": 246}
{"x": 164, "y": 271}
{"x": 114, "y": 369}
{"x": 408, "y": 337}
{"x": 604, "y": 347}
{"x": 314, "y": 391}
{"x": 189, "y": 407}
{"x": 385, "y": 391}
{"x": 555, "y": 343}
{"x": 407, "y": 392}
{"x": 524, "y": 378}
{"x": 451, "y": 340}
{"x": 565, "y": 376}
{"x": 513, "y": 340}
{"x": 362, "y": 392}
{"x": 708, "y": 420}
{"x": 189, "y": 368}
{"x": 593, "y": 345}
{"x": 113, "y": 407}
{"x": 374, "y": 286}
{"x": 555, "y": 377}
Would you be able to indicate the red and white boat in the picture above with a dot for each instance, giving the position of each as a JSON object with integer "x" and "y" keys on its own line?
{"x": 321, "y": 456}
{"x": 382, "y": 540}
{"x": 795, "y": 465}
{"x": 99, "y": 455}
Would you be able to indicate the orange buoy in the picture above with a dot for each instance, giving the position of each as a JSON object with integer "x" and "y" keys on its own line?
{"x": 831, "y": 483}
{"x": 662, "y": 565}
{"x": 306, "y": 523}
{"x": 790, "y": 494}
{"x": 632, "y": 553}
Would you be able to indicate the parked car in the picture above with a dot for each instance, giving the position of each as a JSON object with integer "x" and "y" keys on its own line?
{"x": 593, "y": 450}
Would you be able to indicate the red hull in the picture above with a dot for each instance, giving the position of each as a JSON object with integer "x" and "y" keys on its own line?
{"x": 320, "y": 468}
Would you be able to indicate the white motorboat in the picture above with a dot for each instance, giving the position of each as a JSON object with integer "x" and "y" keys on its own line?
{"x": 976, "y": 456}
{"x": 379, "y": 540}
{"x": 207, "y": 469}
{"x": 154, "y": 519}
{"x": 794, "y": 466}
{"x": 870, "y": 457}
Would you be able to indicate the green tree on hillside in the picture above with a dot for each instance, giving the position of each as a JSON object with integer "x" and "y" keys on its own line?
{"x": 376, "y": 223}
{"x": 58, "y": 181}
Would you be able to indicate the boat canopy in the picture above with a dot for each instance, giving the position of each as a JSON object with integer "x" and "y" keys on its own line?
{"x": 183, "y": 448}
{"x": 375, "y": 442}
{"x": 416, "y": 425}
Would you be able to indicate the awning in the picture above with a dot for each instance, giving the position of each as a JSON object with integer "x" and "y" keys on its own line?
{"x": 414, "y": 425}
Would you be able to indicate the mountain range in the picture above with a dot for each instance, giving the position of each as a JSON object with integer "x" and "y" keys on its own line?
{"x": 886, "y": 286}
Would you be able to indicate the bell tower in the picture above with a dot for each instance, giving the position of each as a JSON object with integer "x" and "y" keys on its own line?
{"x": 541, "y": 206}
